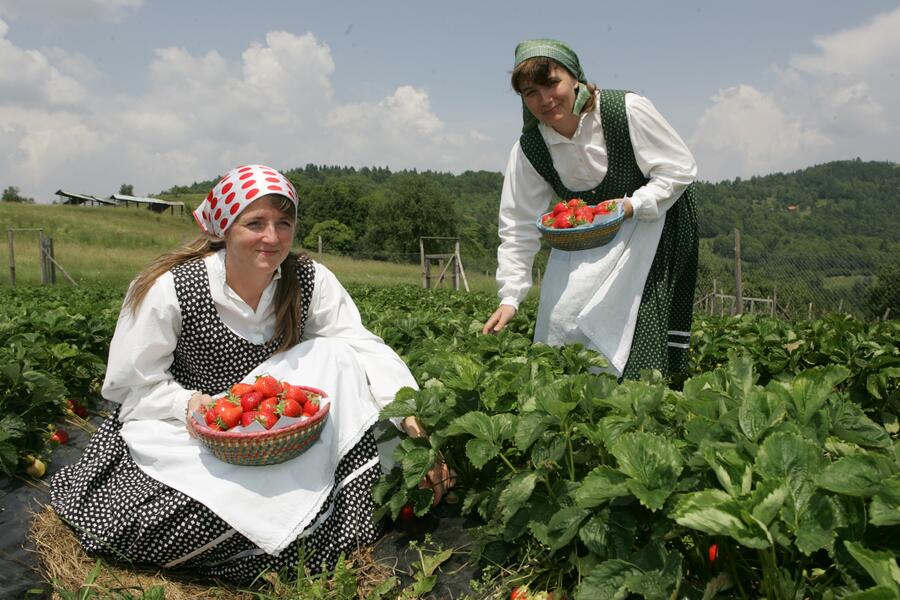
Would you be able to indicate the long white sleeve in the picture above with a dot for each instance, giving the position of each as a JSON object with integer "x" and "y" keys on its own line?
{"x": 333, "y": 314}
{"x": 525, "y": 196}
{"x": 662, "y": 157}
{"x": 140, "y": 355}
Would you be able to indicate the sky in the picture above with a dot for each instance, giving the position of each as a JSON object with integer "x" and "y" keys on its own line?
{"x": 154, "y": 93}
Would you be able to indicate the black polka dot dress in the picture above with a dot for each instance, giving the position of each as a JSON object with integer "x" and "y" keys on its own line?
{"x": 118, "y": 511}
{"x": 662, "y": 332}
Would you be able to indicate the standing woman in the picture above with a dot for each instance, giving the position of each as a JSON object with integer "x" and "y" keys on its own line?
{"x": 233, "y": 304}
{"x": 632, "y": 299}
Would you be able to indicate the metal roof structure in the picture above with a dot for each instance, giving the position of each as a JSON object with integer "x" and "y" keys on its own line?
{"x": 73, "y": 198}
{"x": 154, "y": 204}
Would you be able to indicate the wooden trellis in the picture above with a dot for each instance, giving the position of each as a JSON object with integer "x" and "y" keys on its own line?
{"x": 443, "y": 262}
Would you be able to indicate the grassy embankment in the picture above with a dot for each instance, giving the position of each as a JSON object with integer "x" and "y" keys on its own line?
{"x": 110, "y": 245}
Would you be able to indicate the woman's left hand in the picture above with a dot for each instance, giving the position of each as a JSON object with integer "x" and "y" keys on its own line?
{"x": 627, "y": 208}
{"x": 440, "y": 478}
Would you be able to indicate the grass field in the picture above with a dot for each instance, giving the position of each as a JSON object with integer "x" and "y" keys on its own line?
{"x": 111, "y": 245}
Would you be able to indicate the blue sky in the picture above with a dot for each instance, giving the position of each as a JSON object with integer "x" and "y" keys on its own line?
{"x": 96, "y": 93}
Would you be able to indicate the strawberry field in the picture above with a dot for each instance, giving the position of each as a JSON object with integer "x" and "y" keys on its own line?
{"x": 772, "y": 471}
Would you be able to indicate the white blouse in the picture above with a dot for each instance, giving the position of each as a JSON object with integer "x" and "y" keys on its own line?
{"x": 141, "y": 351}
{"x": 582, "y": 162}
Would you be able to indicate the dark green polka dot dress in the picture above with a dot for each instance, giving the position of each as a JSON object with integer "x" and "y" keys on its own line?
{"x": 662, "y": 332}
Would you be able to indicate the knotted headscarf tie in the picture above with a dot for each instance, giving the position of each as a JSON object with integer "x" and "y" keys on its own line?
{"x": 236, "y": 191}
{"x": 562, "y": 54}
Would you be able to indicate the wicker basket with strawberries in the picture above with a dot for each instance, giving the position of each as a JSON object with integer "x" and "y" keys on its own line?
{"x": 262, "y": 423}
{"x": 574, "y": 225}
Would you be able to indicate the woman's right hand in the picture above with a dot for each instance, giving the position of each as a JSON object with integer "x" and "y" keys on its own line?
{"x": 194, "y": 404}
{"x": 499, "y": 319}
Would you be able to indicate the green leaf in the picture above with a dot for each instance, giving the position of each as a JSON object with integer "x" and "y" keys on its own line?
{"x": 479, "y": 452}
{"x": 516, "y": 493}
{"x": 595, "y": 533}
{"x": 652, "y": 461}
{"x": 606, "y": 581}
{"x": 759, "y": 411}
{"x": 475, "y": 423}
{"x": 885, "y": 507}
{"x": 529, "y": 429}
{"x": 810, "y": 389}
{"x": 548, "y": 451}
{"x": 879, "y": 592}
{"x": 852, "y": 424}
{"x": 766, "y": 500}
{"x": 881, "y": 566}
{"x": 415, "y": 464}
{"x": 855, "y": 475}
{"x": 717, "y": 513}
{"x": 601, "y": 484}
{"x": 788, "y": 457}
{"x": 563, "y": 526}
{"x": 462, "y": 373}
{"x": 817, "y": 524}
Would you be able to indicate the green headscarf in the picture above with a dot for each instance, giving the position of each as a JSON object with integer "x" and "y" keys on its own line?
{"x": 562, "y": 54}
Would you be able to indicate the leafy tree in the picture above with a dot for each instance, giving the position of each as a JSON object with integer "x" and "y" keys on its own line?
{"x": 126, "y": 189}
{"x": 11, "y": 194}
{"x": 411, "y": 206}
{"x": 885, "y": 292}
{"x": 337, "y": 238}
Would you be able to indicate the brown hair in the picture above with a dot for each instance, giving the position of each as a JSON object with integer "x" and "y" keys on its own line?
{"x": 537, "y": 70}
{"x": 287, "y": 292}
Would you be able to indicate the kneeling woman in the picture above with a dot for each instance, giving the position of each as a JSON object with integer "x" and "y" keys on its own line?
{"x": 234, "y": 303}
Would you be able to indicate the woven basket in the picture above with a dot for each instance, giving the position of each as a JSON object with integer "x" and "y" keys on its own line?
{"x": 263, "y": 447}
{"x": 584, "y": 237}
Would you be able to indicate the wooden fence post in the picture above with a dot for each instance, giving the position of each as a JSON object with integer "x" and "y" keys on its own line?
{"x": 10, "y": 234}
{"x": 738, "y": 287}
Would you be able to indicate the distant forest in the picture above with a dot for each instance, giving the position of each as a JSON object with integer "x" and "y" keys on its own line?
{"x": 829, "y": 229}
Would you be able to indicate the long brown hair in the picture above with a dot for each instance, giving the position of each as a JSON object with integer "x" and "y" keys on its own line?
{"x": 287, "y": 292}
{"x": 537, "y": 70}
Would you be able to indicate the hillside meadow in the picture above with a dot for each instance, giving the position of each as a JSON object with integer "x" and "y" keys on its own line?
{"x": 111, "y": 245}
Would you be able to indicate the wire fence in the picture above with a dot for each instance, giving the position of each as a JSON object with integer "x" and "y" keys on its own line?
{"x": 798, "y": 287}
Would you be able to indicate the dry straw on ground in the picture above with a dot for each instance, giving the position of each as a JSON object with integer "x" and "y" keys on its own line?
{"x": 68, "y": 567}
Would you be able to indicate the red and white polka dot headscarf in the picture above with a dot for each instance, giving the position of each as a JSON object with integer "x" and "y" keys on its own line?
{"x": 236, "y": 191}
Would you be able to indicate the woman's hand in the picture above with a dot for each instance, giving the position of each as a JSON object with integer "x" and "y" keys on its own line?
{"x": 194, "y": 404}
{"x": 440, "y": 478}
{"x": 627, "y": 207}
{"x": 499, "y": 319}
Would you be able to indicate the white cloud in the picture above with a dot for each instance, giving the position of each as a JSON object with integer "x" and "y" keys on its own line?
{"x": 745, "y": 132}
{"x": 838, "y": 102}
{"x": 27, "y": 77}
{"x": 69, "y": 9}
{"x": 201, "y": 115}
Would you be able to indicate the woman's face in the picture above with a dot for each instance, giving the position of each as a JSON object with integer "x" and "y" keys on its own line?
{"x": 260, "y": 239}
{"x": 551, "y": 104}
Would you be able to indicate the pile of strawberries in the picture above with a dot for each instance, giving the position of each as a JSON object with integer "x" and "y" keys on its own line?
{"x": 575, "y": 213}
{"x": 261, "y": 402}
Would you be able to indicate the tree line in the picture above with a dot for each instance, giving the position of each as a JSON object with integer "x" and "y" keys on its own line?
{"x": 812, "y": 226}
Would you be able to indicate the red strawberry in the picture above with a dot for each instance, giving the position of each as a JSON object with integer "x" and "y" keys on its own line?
{"x": 229, "y": 416}
{"x": 269, "y": 404}
{"x": 519, "y": 593}
{"x": 583, "y": 216}
{"x": 251, "y": 400}
{"x": 560, "y": 206}
{"x": 239, "y": 389}
{"x": 291, "y": 408}
{"x": 267, "y": 386}
{"x": 575, "y": 204}
{"x": 248, "y": 417}
{"x": 311, "y": 408}
{"x": 295, "y": 393}
{"x": 605, "y": 207}
{"x": 60, "y": 436}
{"x": 78, "y": 409}
{"x": 563, "y": 220}
{"x": 713, "y": 552}
{"x": 407, "y": 513}
{"x": 267, "y": 418}
{"x": 547, "y": 220}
